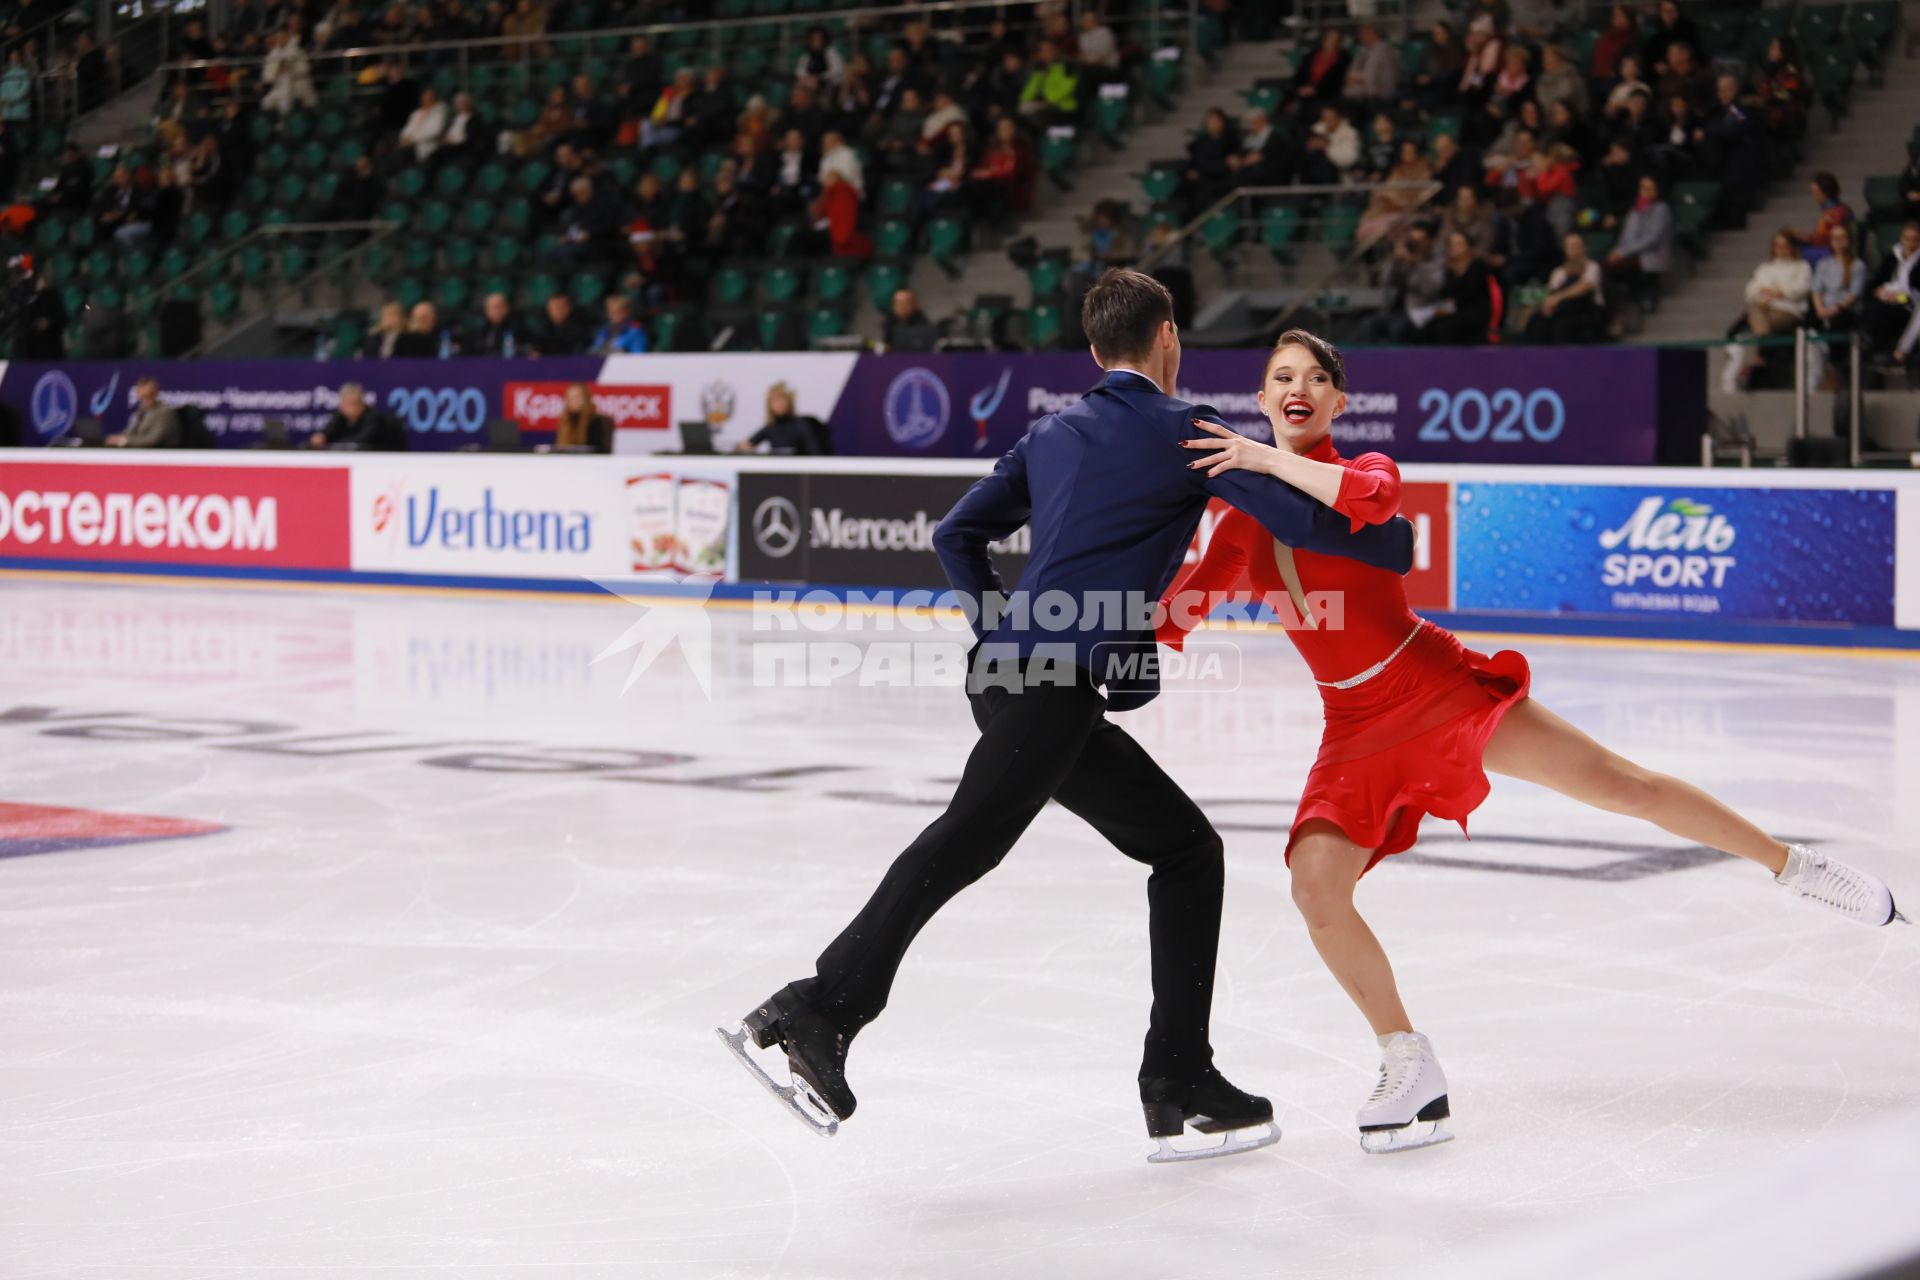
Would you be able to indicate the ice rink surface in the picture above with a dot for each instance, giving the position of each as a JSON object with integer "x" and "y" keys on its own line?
{"x": 439, "y": 998}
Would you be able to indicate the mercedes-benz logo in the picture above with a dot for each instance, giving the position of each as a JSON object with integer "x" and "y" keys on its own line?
{"x": 776, "y": 527}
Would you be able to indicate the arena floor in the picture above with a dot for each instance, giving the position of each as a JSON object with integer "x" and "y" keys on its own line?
{"x": 436, "y": 993}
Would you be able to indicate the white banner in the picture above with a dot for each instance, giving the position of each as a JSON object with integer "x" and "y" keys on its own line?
{"x": 728, "y": 391}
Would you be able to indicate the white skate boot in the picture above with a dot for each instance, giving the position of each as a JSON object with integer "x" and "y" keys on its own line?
{"x": 1408, "y": 1108}
{"x": 1844, "y": 890}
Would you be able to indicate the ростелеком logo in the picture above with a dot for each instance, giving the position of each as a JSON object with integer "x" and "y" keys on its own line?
{"x": 54, "y": 405}
{"x": 776, "y": 527}
{"x": 916, "y": 409}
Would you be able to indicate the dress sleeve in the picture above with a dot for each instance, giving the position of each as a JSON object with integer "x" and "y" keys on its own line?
{"x": 1369, "y": 491}
{"x": 1215, "y": 573}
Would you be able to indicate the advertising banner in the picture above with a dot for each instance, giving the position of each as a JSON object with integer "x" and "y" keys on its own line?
{"x": 857, "y": 530}
{"x": 1584, "y": 405}
{"x": 269, "y": 517}
{"x": 1751, "y": 555}
{"x": 489, "y": 517}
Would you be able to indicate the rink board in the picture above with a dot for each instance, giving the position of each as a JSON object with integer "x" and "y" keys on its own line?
{"x": 1823, "y": 557}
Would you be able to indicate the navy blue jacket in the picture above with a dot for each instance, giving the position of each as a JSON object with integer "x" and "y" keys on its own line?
{"x": 1114, "y": 507}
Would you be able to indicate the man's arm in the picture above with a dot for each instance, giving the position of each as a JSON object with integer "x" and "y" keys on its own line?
{"x": 996, "y": 506}
{"x": 1297, "y": 520}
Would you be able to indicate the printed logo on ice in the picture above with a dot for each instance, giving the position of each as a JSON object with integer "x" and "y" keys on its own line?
{"x": 1669, "y": 545}
{"x": 536, "y": 405}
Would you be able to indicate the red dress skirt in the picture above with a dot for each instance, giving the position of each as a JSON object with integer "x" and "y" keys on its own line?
{"x": 1409, "y": 742}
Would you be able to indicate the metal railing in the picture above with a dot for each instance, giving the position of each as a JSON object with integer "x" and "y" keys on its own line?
{"x": 1155, "y": 28}
{"x": 1851, "y": 401}
{"x": 338, "y": 269}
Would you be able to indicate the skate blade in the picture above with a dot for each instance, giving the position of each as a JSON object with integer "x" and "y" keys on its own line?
{"x": 794, "y": 1095}
{"x": 1430, "y": 1133}
{"x": 1232, "y": 1143}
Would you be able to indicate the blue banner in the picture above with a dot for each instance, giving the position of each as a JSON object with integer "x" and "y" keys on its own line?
{"x": 1750, "y": 555}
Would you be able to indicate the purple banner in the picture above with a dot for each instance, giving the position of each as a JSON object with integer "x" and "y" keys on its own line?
{"x": 1581, "y": 405}
{"x": 445, "y": 404}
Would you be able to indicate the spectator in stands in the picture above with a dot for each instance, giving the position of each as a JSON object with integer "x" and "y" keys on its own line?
{"x": 589, "y": 228}
{"x": 1619, "y": 176}
{"x": 1630, "y": 82}
{"x": 9, "y": 162}
{"x": 641, "y": 75}
{"x": 1320, "y": 77}
{"x": 386, "y": 332}
{"x": 1001, "y": 182}
{"x": 709, "y": 118}
{"x": 1839, "y": 286}
{"x": 666, "y": 118}
{"x": 1889, "y": 315}
{"x": 582, "y": 428}
{"x": 787, "y": 431}
{"x": 1452, "y": 167}
{"x": 1109, "y": 241}
{"x": 44, "y": 316}
{"x": 501, "y": 334}
{"x": 1735, "y": 145}
{"x": 1341, "y": 138}
{"x": 1379, "y": 149}
{"x": 1680, "y": 150}
{"x": 1209, "y": 176}
{"x": 836, "y": 216}
{"x": 1484, "y": 57}
{"x": 467, "y": 137}
{"x": 16, "y": 88}
{"x": 1671, "y": 28}
{"x": 836, "y": 157}
{"x": 1483, "y": 226}
{"x": 1548, "y": 186}
{"x": 525, "y": 25}
{"x": 1645, "y": 246}
{"x": 1437, "y": 82}
{"x": 1785, "y": 93}
{"x": 355, "y": 424}
{"x": 1099, "y": 47}
{"x": 594, "y": 120}
{"x": 72, "y": 182}
{"x": 287, "y": 75}
{"x": 1373, "y": 73}
{"x": 1825, "y": 190}
{"x": 907, "y": 327}
{"x": 156, "y": 214}
{"x": 153, "y": 425}
{"x": 1776, "y": 303}
{"x": 1560, "y": 81}
{"x": 1564, "y": 128}
{"x": 789, "y": 173}
{"x": 897, "y": 140}
{"x": 1512, "y": 86}
{"x": 902, "y": 77}
{"x": 212, "y": 181}
{"x": 1464, "y": 316}
{"x": 1390, "y": 207}
{"x": 1684, "y": 77}
{"x": 1910, "y": 183}
{"x": 1263, "y": 159}
{"x": 426, "y": 126}
{"x": 564, "y": 334}
{"x": 424, "y": 339}
{"x": 621, "y": 334}
{"x": 1509, "y": 162}
{"x": 399, "y": 99}
{"x": 947, "y": 188}
{"x": 1574, "y": 309}
{"x": 116, "y": 205}
{"x": 356, "y": 196}
{"x": 1414, "y": 277}
{"x": 820, "y": 59}
{"x": 1052, "y": 93}
{"x": 1614, "y": 44}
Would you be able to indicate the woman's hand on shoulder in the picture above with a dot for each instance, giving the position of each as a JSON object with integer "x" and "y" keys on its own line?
{"x": 1229, "y": 451}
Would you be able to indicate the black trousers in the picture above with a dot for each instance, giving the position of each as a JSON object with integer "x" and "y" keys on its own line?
{"x": 1039, "y": 743}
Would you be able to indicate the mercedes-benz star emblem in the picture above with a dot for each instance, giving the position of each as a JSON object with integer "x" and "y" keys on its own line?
{"x": 776, "y": 527}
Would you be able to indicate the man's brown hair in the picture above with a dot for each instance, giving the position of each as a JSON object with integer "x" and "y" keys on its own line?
{"x": 1123, "y": 312}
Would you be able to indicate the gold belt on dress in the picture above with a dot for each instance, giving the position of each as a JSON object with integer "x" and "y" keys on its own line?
{"x": 1377, "y": 667}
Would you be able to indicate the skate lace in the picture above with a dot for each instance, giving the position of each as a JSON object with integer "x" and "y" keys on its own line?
{"x": 1398, "y": 1069}
{"x": 1836, "y": 886}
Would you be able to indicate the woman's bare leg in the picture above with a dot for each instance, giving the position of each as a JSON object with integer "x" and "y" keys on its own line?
{"x": 1536, "y": 745}
{"x": 1326, "y": 867}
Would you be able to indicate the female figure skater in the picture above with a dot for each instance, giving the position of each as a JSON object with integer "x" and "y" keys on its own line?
{"x": 1414, "y": 721}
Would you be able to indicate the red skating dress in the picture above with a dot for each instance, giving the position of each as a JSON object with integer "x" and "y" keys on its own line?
{"x": 1409, "y": 709}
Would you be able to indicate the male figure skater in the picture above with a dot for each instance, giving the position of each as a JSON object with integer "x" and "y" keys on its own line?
{"x": 1113, "y": 507}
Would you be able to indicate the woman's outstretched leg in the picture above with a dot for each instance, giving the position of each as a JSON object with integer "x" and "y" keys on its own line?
{"x": 1536, "y": 745}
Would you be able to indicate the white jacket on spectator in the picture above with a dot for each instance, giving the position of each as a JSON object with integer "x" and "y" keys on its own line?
{"x": 425, "y": 127}
{"x": 288, "y": 77}
{"x": 1343, "y": 144}
{"x": 845, "y": 161}
{"x": 1098, "y": 47}
{"x": 1792, "y": 280}
{"x": 1647, "y": 235}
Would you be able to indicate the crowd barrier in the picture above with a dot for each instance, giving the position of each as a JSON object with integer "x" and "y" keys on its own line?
{"x": 1812, "y": 557}
{"x": 1563, "y": 405}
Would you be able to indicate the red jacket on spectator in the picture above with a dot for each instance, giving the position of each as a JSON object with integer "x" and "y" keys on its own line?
{"x": 1556, "y": 181}
{"x": 839, "y": 204}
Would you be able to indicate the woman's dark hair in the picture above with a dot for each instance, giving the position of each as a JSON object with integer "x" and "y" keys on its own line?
{"x": 1325, "y": 354}
{"x": 1123, "y": 312}
{"x": 1828, "y": 184}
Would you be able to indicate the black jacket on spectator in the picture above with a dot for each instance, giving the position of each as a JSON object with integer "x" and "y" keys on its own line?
{"x": 794, "y": 434}
{"x": 43, "y": 335}
{"x": 492, "y": 339}
{"x": 1472, "y": 298}
{"x": 376, "y": 431}
{"x": 418, "y": 346}
{"x": 355, "y": 199}
{"x": 1685, "y": 31}
{"x": 73, "y": 186}
{"x": 568, "y": 339}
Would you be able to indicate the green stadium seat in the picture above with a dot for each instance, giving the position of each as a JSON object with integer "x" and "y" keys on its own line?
{"x": 416, "y": 255}
{"x": 892, "y": 238}
{"x": 1045, "y": 277}
{"x": 1059, "y": 153}
{"x": 1883, "y": 197}
{"x": 896, "y": 198}
{"x": 452, "y": 182}
{"x": 1279, "y": 228}
{"x": 1163, "y": 81}
{"x": 223, "y": 300}
{"x": 782, "y": 285}
{"x": 1338, "y": 224}
{"x": 348, "y": 333}
{"x": 825, "y": 322}
{"x": 409, "y": 292}
{"x": 833, "y": 283}
{"x": 1220, "y": 234}
{"x": 1113, "y": 116}
{"x": 1160, "y": 184}
{"x": 730, "y": 287}
{"x": 883, "y": 281}
{"x": 452, "y": 294}
{"x": 588, "y": 289}
{"x": 461, "y": 254}
{"x": 1043, "y": 326}
{"x": 947, "y": 243}
{"x": 293, "y": 262}
{"x": 492, "y": 180}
